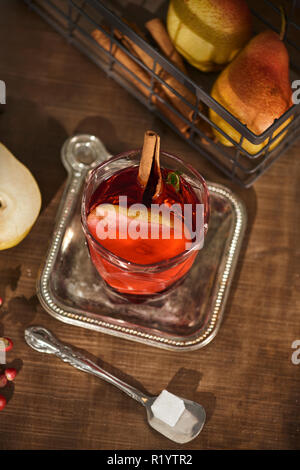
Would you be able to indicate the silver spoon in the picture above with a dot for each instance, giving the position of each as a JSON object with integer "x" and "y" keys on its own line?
{"x": 189, "y": 424}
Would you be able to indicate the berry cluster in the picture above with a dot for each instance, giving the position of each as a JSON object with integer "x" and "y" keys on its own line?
{"x": 9, "y": 373}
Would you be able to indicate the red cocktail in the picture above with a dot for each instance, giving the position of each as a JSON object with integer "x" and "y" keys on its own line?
{"x": 144, "y": 251}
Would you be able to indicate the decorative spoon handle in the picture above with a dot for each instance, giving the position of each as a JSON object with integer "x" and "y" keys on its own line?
{"x": 43, "y": 340}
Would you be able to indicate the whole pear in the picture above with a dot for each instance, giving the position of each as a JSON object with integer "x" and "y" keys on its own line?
{"x": 209, "y": 33}
{"x": 256, "y": 89}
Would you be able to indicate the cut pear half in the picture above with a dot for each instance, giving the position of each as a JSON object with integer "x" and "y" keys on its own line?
{"x": 109, "y": 221}
{"x": 20, "y": 200}
{"x": 138, "y": 234}
{"x": 137, "y": 212}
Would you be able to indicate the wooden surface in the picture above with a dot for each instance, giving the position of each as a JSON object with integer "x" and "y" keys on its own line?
{"x": 244, "y": 378}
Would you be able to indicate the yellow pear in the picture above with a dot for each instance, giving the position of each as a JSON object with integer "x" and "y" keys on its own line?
{"x": 256, "y": 89}
{"x": 20, "y": 200}
{"x": 209, "y": 33}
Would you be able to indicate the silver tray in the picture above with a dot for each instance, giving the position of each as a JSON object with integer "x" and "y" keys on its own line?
{"x": 185, "y": 318}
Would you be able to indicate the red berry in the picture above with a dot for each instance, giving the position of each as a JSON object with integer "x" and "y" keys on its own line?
{"x": 6, "y": 344}
{"x": 3, "y": 380}
{"x": 2, "y": 402}
{"x": 1, "y": 301}
{"x": 10, "y": 373}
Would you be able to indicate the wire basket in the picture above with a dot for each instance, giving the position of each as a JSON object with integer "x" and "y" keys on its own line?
{"x": 77, "y": 19}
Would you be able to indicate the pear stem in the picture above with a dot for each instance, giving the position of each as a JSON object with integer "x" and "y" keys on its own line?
{"x": 283, "y": 23}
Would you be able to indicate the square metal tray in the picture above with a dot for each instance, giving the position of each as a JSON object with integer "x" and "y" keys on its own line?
{"x": 187, "y": 317}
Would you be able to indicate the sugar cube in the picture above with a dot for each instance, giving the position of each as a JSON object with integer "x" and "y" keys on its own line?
{"x": 168, "y": 408}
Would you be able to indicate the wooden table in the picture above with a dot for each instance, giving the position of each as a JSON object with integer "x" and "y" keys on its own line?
{"x": 245, "y": 378}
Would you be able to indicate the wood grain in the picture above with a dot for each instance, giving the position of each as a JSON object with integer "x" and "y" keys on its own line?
{"x": 244, "y": 378}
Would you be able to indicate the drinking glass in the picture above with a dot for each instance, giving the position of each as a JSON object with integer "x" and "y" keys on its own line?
{"x": 126, "y": 277}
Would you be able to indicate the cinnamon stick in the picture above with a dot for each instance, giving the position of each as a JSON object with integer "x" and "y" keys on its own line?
{"x": 137, "y": 51}
{"x": 159, "y": 33}
{"x": 174, "y": 118}
{"x": 157, "y": 170}
{"x": 150, "y": 160}
{"x": 148, "y": 152}
{"x": 104, "y": 41}
{"x": 177, "y": 102}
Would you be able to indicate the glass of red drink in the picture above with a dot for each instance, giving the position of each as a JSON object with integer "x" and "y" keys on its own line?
{"x": 143, "y": 266}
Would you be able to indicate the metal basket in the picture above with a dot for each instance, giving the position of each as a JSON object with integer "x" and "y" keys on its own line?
{"x": 76, "y": 19}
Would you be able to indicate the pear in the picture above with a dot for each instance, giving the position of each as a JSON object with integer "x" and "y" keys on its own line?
{"x": 156, "y": 238}
{"x": 115, "y": 215}
{"x": 209, "y": 33}
{"x": 20, "y": 200}
{"x": 256, "y": 89}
